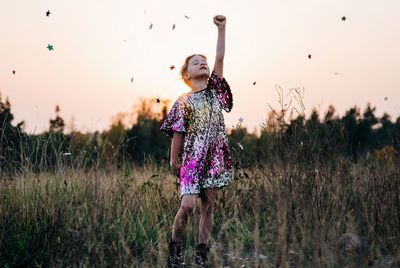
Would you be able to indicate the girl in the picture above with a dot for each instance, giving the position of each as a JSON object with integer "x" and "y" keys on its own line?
{"x": 196, "y": 122}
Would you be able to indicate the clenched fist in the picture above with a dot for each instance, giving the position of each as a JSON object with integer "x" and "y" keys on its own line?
{"x": 220, "y": 21}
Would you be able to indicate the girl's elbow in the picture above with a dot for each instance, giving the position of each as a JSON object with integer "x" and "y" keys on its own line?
{"x": 228, "y": 109}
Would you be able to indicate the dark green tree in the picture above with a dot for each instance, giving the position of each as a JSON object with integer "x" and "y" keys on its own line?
{"x": 57, "y": 124}
{"x": 10, "y": 138}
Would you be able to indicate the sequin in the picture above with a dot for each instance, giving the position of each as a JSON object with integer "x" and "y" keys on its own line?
{"x": 206, "y": 159}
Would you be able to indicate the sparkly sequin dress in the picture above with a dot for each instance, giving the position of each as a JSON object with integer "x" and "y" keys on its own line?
{"x": 206, "y": 160}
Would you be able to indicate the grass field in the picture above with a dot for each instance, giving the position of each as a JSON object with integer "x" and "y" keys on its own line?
{"x": 269, "y": 216}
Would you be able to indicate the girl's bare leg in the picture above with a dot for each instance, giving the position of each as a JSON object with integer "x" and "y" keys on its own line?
{"x": 185, "y": 211}
{"x": 208, "y": 199}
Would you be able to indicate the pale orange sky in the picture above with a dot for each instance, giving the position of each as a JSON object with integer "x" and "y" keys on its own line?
{"x": 89, "y": 71}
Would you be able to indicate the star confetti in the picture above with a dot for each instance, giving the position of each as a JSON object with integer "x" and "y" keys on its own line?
{"x": 48, "y": 13}
{"x": 13, "y": 71}
{"x": 172, "y": 67}
{"x": 344, "y": 18}
{"x": 151, "y": 26}
{"x": 50, "y": 47}
{"x": 241, "y": 120}
{"x": 309, "y": 56}
{"x": 187, "y": 17}
{"x": 158, "y": 100}
{"x": 173, "y": 26}
{"x": 254, "y": 83}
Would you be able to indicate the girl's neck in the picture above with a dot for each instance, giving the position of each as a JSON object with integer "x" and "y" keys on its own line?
{"x": 200, "y": 90}
{"x": 198, "y": 85}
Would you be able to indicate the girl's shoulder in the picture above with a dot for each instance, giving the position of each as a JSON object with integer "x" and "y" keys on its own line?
{"x": 182, "y": 100}
{"x": 185, "y": 97}
{"x": 214, "y": 77}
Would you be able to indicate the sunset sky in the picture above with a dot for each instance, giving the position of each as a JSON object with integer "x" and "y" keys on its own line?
{"x": 268, "y": 42}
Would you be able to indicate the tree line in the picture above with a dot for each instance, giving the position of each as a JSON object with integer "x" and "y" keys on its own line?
{"x": 135, "y": 138}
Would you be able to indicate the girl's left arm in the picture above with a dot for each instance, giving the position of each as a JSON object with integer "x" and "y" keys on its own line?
{"x": 220, "y": 21}
{"x": 217, "y": 81}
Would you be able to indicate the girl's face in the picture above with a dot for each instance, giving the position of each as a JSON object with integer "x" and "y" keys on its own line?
{"x": 198, "y": 67}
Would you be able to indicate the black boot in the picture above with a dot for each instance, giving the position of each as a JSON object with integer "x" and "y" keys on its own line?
{"x": 175, "y": 256}
{"x": 201, "y": 254}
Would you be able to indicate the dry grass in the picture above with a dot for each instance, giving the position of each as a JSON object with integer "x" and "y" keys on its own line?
{"x": 269, "y": 216}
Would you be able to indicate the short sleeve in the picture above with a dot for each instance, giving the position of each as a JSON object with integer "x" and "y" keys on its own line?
{"x": 223, "y": 91}
{"x": 176, "y": 120}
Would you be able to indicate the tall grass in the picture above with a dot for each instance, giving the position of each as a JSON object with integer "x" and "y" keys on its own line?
{"x": 271, "y": 215}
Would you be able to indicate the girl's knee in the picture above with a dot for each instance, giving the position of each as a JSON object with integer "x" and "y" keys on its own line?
{"x": 188, "y": 204}
{"x": 188, "y": 208}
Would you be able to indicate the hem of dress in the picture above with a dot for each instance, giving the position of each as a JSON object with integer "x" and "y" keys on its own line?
{"x": 198, "y": 193}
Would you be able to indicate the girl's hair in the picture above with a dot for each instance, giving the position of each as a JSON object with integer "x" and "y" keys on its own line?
{"x": 185, "y": 66}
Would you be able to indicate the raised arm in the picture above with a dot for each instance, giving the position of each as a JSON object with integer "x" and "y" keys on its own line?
{"x": 220, "y": 21}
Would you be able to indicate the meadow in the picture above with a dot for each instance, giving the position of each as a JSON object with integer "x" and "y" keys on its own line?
{"x": 271, "y": 216}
